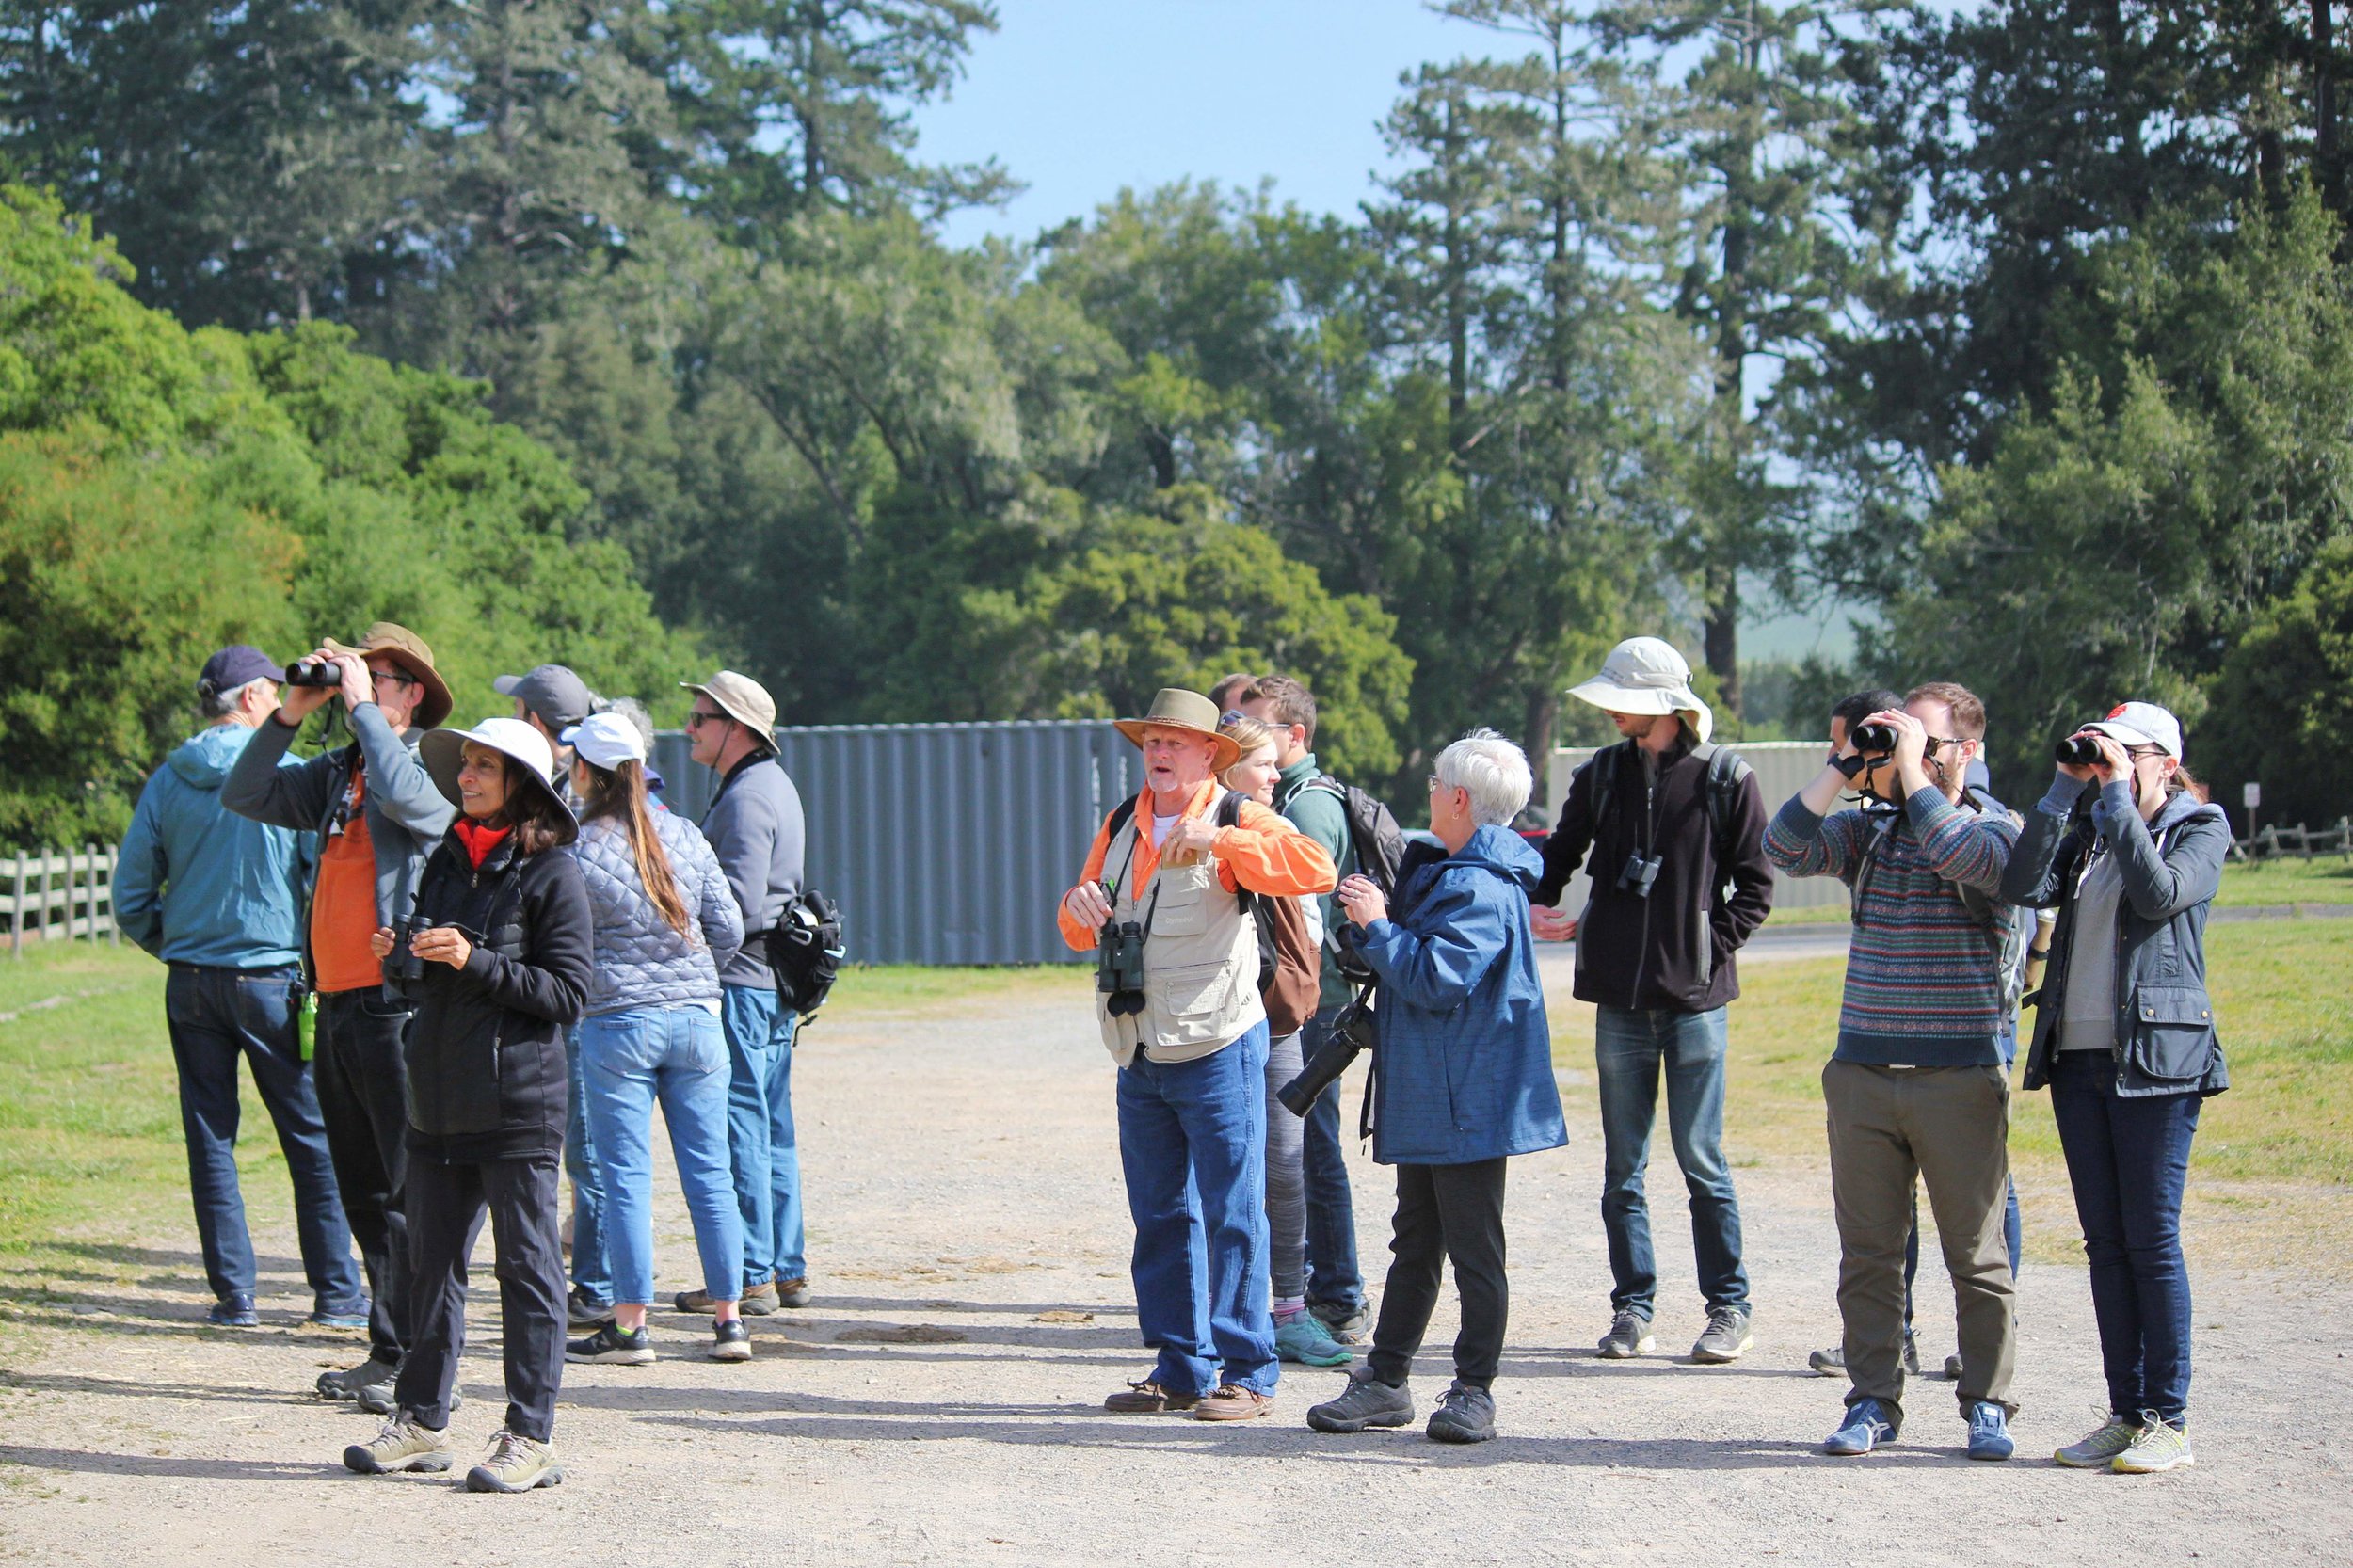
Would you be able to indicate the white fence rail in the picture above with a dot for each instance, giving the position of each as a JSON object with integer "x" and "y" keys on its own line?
{"x": 51, "y": 894}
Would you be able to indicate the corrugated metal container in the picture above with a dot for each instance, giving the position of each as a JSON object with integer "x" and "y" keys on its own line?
{"x": 944, "y": 844}
{"x": 1782, "y": 768}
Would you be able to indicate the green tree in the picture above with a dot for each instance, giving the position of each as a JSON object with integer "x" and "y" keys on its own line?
{"x": 2281, "y": 711}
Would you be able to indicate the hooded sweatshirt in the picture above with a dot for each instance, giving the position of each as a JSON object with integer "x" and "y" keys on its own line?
{"x": 197, "y": 884}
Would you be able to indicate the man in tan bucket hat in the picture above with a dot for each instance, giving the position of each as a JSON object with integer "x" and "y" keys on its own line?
{"x": 378, "y": 814}
{"x": 1178, "y": 1004}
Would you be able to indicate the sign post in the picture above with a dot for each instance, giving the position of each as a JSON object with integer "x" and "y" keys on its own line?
{"x": 2251, "y": 796}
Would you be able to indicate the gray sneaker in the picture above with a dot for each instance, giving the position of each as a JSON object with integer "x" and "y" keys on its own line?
{"x": 2112, "y": 1437}
{"x": 2160, "y": 1445}
{"x": 1728, "y": 1337}
{"x": 370, "y": 1375}
{"x": 1366, "y": 1402}
{"x": 516, "y": 1464}
{"x": 401, "y": 1445}
{"x": 1629, "y": 1335}
{"x": 1348, "y": 1327}
{"x": 1464, "y": 1415}
{"x": 1832, "y": 1363}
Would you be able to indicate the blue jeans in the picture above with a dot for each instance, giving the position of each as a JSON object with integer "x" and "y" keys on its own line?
{"x": 677, "y": 1056}
{"x": 1631, "y": 1049}
{"x": 592, "y": 1268}
{"x": 2128, "y": 1157}
{"x": 216, "y": 1016}
{"x": 1191, "y": 1140}
{"x": 1335, "y": 1280}
{"x": 767, "y": 1154}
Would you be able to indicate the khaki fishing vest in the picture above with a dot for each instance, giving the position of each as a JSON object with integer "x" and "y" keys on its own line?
{"x": 1200, "y": 959}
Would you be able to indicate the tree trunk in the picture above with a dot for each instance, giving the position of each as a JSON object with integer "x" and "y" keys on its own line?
{"x": 1544, "y": 708}
{"x": 1723, "y": 632}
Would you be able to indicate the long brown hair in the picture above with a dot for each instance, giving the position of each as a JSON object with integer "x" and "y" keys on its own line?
{"x": 619, "y": 793}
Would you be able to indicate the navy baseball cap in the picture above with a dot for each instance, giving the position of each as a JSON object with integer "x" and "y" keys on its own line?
{"x": 232, "y": 667}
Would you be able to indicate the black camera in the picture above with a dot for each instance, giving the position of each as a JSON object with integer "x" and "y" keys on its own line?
{"x": 1640, "y": 872}
{"x": 2079, "y": 751}
{"x": 1353, "y": 1032}
{"x": 314, "y": 672}
{"x": 1119, "y": 966}
{"x": 1875, "y": 737}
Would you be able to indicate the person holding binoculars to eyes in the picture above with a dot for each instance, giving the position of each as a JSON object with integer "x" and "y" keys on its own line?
{"x": 377, "y": 815}
{"x": 1178, "y": 1004}
{"x": 2127, "y": 849}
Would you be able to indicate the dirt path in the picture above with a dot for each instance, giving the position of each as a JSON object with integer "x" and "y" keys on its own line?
{"x": 964, "y": 1185}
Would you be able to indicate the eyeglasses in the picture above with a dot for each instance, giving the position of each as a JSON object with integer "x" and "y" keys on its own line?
{"x": 1935, "y": 742}
{"x": 698, "y": 719}
{"x": 401, "y": 676}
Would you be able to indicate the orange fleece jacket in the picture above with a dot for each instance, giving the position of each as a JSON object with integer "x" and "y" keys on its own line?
{"x": 1261, "y": 852}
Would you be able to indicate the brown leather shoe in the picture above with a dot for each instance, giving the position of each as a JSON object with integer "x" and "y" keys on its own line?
{"x": 758, "y": 1300}
{"x": 1232, "y": 1402}
{"x": 792, "y": 1292}
{"x": 1150, "y": 1399}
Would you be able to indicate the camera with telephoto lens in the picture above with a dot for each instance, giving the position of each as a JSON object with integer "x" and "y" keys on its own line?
{"x": 1640, "y": 872}
{"x": 314, "y": 672}
{"x": 1352, "y": 1035}
{"x": 1875, "y": 737}
{"x": 2079, "y": 751}
{"x": 1119, "y": 966}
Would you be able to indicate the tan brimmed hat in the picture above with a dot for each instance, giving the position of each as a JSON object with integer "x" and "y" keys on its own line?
{"x": 407, "y": 650}
{"x": 1178, "y": 708}
{"x": 743, "y": 700}
{"x": 1645, "y": 675}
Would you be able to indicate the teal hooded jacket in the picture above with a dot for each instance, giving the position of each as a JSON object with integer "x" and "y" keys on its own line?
{"x": 197, "y": 884}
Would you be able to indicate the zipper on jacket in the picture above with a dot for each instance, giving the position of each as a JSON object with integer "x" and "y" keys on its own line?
{"x": 1650, "y": 838}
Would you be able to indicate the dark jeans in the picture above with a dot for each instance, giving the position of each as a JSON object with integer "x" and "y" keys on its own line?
{"x": 1633, "y": 1049}
{"x": 2128, "y": 1159}
{"x": 363, "y": 1099}
{"x": 215, "y": 1016}
{"x": 1444, "y": 1213}
{"x": 1334, "y": 1279}
{"x": 446, "y": 1207}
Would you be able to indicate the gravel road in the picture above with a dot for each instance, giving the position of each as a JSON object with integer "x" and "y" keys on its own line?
{"x": 938, "y": 1402}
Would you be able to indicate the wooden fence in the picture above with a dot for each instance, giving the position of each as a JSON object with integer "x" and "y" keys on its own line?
{"x": 54, "y": 894}
{"x": 2274, "y": 843}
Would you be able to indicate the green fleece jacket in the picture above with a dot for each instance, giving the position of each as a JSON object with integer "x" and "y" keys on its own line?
{"x": 1319, "y": 814}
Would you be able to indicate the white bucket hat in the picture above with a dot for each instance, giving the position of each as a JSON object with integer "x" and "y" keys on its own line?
{"x": 442, "y": 751}
{"x": 2143, "y": 724}
{"x": 1644, "y": 675}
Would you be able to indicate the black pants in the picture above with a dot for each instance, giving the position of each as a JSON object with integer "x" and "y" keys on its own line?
{"x": 363, "y": 1099}
{"x": 1444, "y": 1213}
{"x": 446, "y": 1207}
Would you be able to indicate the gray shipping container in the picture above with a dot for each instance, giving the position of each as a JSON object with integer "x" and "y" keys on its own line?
{"x": 944, "y": 844}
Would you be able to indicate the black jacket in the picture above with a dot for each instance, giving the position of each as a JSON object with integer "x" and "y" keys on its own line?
{"x": 486, "y": 1052}
{"x": 1674, "y": 949}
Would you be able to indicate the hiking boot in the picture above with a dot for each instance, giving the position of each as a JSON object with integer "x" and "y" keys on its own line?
{"x": 2110, "y": 1438}
{"x": 1728, "y": 1337}
{"x": 1865, "y": 1428}
{"x": 233, "y": 1311}
{"x": 1988, "y": 1431}
{"x": 1465, "y": 1415}
{"x": 1150, "y": 1399}
{"x": 2161, "y": 1446}
{"x": 1349, "y": 1324}
{"x": 1367, "y": 1402}
{"x": 403, "y": 1444}
{"x": 516, "y": 1464}
{"x": 1305, "y": 1339}
{"x": 369, "y": 1374}
{"x": 1232, "y": 1402}
{"x": 584, "y": 1313}
{"x": 757, "y": 1300}
{"x": 1952, "y": 1369}
{"x": 730, "y": 1340}
{"x": 1629, "y": 1335}
{"x": 342, "y": 1316}
{"x": 792, "y": 1292}
{"x": 613, "y": 1345}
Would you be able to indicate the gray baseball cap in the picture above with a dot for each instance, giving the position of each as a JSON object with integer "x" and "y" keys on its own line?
{"x": 559, "y": 698}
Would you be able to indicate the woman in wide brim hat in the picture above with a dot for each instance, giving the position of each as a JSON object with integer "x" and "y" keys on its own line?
{"x": 408, "y": 650}
{"x": 444, "y": 754}
{"x": 1176, "y": 708}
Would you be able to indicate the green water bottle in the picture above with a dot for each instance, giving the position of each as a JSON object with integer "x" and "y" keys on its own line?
{"x": 307, "y": 1022}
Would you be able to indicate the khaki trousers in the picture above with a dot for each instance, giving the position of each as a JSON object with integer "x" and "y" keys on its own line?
{"x": 1948, "y": 1127}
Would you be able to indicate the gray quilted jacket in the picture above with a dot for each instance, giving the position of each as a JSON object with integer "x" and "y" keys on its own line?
{"x": 640, "y": 961}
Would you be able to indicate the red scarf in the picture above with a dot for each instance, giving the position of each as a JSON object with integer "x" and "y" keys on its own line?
{"x": 479, "y": 841}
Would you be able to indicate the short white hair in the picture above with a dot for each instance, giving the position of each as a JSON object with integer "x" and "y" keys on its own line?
{"x": 1494, "y": 771}
{"x": 219, "y": 705}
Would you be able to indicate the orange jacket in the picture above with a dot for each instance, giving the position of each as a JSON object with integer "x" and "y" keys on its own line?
{"x": 1261, "y": 852}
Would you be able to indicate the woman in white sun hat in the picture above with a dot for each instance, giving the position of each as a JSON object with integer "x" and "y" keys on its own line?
{"x": 666, "y": 921}
{"x": 2127, "y": 849}
{"x": 497, "y": 955}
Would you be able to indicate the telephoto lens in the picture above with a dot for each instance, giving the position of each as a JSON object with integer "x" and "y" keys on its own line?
{"x": 1875, "y": 737}
{"x": 314, "y": 672}
{"x": 2078, "y": 751}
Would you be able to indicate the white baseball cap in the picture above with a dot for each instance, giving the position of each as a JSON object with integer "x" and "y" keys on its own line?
{"x": 2141, "y": 723}
{"x": 607, "y": 741}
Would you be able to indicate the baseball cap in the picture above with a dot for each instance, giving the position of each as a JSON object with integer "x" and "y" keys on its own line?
{"x": 553, "y": 692}
{"x": 232, "y": 667}
{"x": 605, "y": 741}
{"x": 2143, "y": 724}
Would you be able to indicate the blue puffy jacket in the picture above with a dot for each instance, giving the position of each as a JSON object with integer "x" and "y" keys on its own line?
{"x": 1463, "y": 1070}
{"x": 197, "y": 884}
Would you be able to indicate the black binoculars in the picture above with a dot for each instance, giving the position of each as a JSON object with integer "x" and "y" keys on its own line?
{"x": 1875, "y": 737}
{"x": 1640, "y": 872}
{"x": 1119, "y": 966}
{"x": 314, "y": 672}
{"x": 2077, "y": 751}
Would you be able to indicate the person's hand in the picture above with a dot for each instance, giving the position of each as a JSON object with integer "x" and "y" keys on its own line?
{"x": 380, "y": 941}
{"x": 300, "y": 702}
{"x": 1088, "y": 904}
{"x": 441, "y": 944}
{"x": 1362, "y": 901}
{"x": 1188, "y": 842}
{"x": 359, "y": 681}
{"x": 2115, "y": 761}
{"x": 1552, "y": 925}
{"x": 1910, "y": 753}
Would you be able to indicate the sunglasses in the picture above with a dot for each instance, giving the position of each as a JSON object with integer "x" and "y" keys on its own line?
{"x": 698, "y": 719}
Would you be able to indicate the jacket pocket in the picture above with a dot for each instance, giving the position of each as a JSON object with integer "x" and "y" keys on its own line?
{"x": 1195, "y": 1001}
{"x": 1180, "y": 911}
{"x": 2172, "y": 1031}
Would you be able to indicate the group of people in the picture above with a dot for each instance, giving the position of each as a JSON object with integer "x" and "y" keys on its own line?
{"x": 463, "y": 964}
{"x": 2090, "y": 907}
{"x": 466, "y": 964}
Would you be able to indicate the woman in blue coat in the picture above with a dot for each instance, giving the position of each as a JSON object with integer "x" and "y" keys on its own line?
{"x": 1462, "y": 1080}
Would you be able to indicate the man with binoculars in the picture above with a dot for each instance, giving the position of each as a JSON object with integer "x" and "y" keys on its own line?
{"x": 1178, "y": 1002}
{"x": 377, "y": 815}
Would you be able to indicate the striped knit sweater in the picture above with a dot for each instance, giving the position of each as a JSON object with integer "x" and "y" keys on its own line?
{"x": 1922, "y": 982}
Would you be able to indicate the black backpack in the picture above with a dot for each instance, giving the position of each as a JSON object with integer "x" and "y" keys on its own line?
{"x": 805, "y": 951}
{"x": 1379, "y": 846}
{"x": 1726, "y": 770}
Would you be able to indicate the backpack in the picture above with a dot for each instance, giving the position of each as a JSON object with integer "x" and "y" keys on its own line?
{"x": 1727, "y": 770}
{"x": 1378, "y": 844}
{"x": 803, "y": 951}
{"x": 2012, "y": 925}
